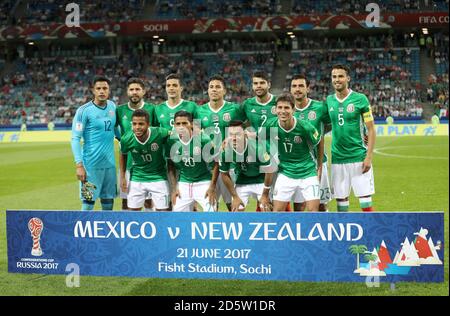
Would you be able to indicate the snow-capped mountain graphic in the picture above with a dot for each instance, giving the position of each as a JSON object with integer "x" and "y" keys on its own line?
{"x": 421, "y": 251}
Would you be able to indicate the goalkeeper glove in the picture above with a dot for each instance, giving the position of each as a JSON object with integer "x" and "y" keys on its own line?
{"x": 87, "y": 190}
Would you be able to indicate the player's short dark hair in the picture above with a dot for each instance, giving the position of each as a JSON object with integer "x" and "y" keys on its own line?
{"x": 175, "y": 77}
{"x": 299, "y": 77}
{"x": 235, "y": 123}
{"x": 139, "y": 81}
{"x": 100, "y": 79}
{"x": 218, "y": 78}
{"x": 286, "y": 97}
{"x": 184, "y": 113}
{"x": 341, "y": 66}
{"x": 141, "y": 113}
{"x": 261, "y": 74}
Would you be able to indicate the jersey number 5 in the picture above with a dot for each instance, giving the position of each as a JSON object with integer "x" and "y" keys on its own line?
{"x": 341, "y": 119}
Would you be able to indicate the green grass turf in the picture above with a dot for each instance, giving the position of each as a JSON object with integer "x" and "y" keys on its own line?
{"x": 42, "y": 176}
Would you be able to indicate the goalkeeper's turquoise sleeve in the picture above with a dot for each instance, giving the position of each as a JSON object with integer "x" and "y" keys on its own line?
{"x": 77, "y": 134}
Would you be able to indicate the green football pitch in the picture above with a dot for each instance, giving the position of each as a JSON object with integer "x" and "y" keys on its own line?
{"x": 411, "y": 174}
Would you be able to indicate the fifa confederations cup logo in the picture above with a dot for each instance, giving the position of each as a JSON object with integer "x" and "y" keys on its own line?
{"x": 35, "y": 225}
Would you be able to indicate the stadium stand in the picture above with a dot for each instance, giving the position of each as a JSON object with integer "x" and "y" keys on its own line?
{"x": 313, "y": 7}
{"x": 92, "y": 11}
{"x": 51, "y": 88}
{"x": 5, "y": 8}
{"x": 172, "y": 9}
{"x": 389, "y": 75}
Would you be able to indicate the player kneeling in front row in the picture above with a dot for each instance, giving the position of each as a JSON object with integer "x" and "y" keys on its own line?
{"x": 148, "y": 171}
{"x": 189, "y": 152}
{"x": 297, "y": 169}
{"x": 251, "y": 161}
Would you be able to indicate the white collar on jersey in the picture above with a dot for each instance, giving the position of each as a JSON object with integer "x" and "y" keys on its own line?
{"x": 270, "y": 99}
{"x": 295, "y": 124}
{"x": 173, "y": 107}
{"x": 216, "y": 111}
{"x": 143, "y": 143}
{"x": 140, "y": 106}
{"x": 307, "y": 105}
{"x": 342, "y": 101}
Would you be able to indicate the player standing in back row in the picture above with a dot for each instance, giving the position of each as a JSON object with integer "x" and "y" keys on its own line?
{"x": 262, "y": 106}
{"x": 165, "y": 112}
{"x": 351, "y": 160}
{"x": 313, "y": 111}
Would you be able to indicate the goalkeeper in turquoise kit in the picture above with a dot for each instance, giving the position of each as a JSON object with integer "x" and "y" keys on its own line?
{"x": 94, "y": 123}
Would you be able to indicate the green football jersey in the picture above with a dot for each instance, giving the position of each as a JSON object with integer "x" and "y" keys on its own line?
{"x": 123, "y": 115}
{"x": 247, "y": 165}
{"x": 188, "y": 158}
{"x": 165, "y": 113}
{"x": 296, "y": 149}
{"x": 257, "y": 113}
{"x": 214, "y": 122}
{"x": 149, "y": 164}
{"x": 347, "y": 122}
{"x": 315, "y": 113}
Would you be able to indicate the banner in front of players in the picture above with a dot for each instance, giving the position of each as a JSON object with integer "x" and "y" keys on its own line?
{"x": 255, "y": 246}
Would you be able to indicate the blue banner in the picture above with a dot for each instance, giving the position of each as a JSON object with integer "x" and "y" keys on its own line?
{"x": 256, "y": 246}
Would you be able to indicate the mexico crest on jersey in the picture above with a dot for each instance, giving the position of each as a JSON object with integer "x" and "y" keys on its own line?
{"x": 312, "y": 116}
{"x": 154, "y": 147}
{"x": 273, "y": 110}
{"x": 226, "y": 117}
{"x": 350, "y": 108}
{"x": 297, "y": 139}
{"x": 111, "y": 113}
{"x": 197, "y": 150}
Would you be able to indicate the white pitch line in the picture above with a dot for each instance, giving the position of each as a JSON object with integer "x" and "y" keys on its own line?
{"x": 379, "y": 152}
